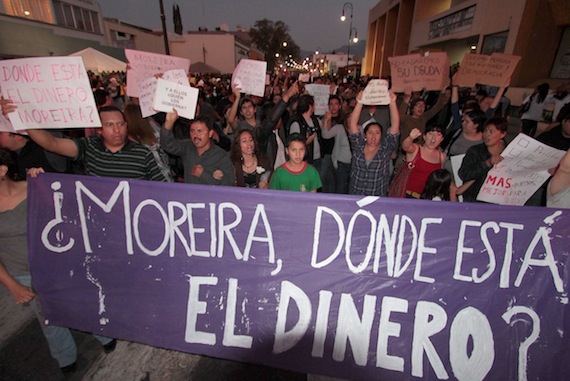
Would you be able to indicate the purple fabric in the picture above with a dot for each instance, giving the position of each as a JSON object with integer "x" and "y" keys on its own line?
{"x": 193, "y": 291}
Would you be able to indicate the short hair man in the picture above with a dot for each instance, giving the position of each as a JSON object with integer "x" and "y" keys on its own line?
{"x": 111, "y": 154}
{"x": 203, "y": 161}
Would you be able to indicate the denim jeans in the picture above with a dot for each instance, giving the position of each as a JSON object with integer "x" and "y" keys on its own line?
{"x": 60, "y": 341}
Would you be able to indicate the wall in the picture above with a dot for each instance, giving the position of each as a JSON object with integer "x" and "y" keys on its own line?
{"x": 220, "y": 49}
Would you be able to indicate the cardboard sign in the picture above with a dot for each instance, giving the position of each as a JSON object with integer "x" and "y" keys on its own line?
{"x": 144, "y": 65}
{"x": 523, "y": 170}
{"x": 169, "y": 95}
{"x": 366, "y": 288}
{"x": 430, "y": 72}
{"x": 494, "y": 70}
{"x": 250, "y": 76}
{"x": 321, "y": 95}
{"x": 376, "y": 93}
{"x": 50, "y": 92}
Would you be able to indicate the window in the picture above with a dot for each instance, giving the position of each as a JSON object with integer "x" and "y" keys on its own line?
{"x": 39, "y": 10}
{"x": 75, "y": 17}
{"x": 453, "y": 23}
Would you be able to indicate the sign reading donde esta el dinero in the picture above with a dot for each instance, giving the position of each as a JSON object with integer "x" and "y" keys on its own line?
{"x": 366, "y": 288}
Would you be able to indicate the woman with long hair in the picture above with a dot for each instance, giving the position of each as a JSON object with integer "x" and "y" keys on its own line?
{"x": 252, "y": 168}
{"x": 535, "y": 104}
{"x": 140, "y": 131}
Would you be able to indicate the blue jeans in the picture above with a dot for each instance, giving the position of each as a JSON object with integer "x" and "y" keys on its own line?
{"x": 60, "y": 341}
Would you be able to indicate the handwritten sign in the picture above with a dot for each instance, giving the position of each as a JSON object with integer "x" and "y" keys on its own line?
{"x": 169, "y": 95}
{"x": 50, "y": 92}
{"x": 494, "y": 70}
{"x": 430, "y": 72}
{"x": 147, "y": 89}
{"x": 357, "y": 288}
{"x": 321, "y": 95}
{"x": 250, "y": 76}
{"x": 144, "y": 65}
{"x": 376, "y": 93}
{"x": 523, "y": 170}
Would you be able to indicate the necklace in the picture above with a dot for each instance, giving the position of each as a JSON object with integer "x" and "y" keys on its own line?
{"x": 252, "y": 164}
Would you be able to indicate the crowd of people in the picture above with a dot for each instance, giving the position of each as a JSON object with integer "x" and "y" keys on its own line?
{"x": 272, "y": 142}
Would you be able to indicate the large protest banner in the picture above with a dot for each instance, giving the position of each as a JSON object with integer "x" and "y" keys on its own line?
{"x": 494, "y": 70}
{"x": 362, "y": 288}
{"x": 430, "y": 71}
{"x": 50, "y": 92}
{"x": 145, "y": 65}
{"x": 524, "y": 169}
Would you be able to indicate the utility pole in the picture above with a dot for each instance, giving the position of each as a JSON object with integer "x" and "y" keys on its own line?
{"x": 163, "y": 18}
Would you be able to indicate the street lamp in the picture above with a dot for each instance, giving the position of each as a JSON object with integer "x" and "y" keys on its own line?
{"x": 348, "y": 6}
{"x": 355, "y": 38}
{"x": 284, "y": 44}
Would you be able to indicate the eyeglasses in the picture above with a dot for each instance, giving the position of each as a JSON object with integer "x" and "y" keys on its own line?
{"x": 113, "y": 124}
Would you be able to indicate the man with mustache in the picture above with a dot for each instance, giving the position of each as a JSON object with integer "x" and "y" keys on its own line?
{"x": 204, "y": 162}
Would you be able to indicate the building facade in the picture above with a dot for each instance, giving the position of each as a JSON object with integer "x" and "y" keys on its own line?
{"x": 536, "y": 30}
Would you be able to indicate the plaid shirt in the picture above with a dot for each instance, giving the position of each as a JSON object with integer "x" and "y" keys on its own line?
{"x": 371, "y": 179}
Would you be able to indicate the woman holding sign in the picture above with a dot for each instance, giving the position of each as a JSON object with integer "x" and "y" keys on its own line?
{"x": 370, "y": 167}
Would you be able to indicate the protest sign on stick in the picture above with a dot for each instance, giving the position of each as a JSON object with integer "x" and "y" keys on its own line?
{"x": 144, "y": 65}
{"x": 494, "y": 70}
{"x": 321, "y": 95}
{"x": 50, "y": 92}
{"x": 429, "y": 71}
{"x": 376, "y": 93}
{"x": 170, "y": 95}
{"x": 522, "y": 171}
{"x": 250, "y": 76}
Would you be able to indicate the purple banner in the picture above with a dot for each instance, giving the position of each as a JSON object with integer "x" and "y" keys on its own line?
{"x": 361, "y": 288}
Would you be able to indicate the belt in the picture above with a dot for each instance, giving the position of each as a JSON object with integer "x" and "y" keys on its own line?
{"x": 413, "y": 194}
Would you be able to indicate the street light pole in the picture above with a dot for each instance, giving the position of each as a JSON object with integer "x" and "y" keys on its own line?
{"x": 163, "y": 18}
{"x": 347, "y": 5}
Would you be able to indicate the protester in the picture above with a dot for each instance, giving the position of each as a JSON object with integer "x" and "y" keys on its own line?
{"x": 534, "y": 105}
{"x": 426, "y": 158}
{"x": 296, "y": 174}
{"x": 203, "y": 161}
{"x": 14, "y": 268}
{"x": 370, "y": 166}
{"x": 334, "y": 127}
{"x": 252, "y": 168}
{"x": 481, "y": 158}
{"x": 111, "y": 154}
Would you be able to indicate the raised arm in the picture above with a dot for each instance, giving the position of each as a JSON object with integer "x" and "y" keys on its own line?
{"x": 561, "y": 178}
{"x": 394, "y": 115}
{"x": 353, "y": 120}
{"x": 408, "y": 144}
{"x": 232, "y": 117}
{"x": 499, "y": 95}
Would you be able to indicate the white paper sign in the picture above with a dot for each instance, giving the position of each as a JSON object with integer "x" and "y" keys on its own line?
{"x": 321, "y": 95}
{"x": 376, "y": 93}
{"x": 146, "y": 96}
{"x": 250, "y": 76}
{"x": 177, "y": 76}
{"x": 524, "y": 169}
{"x": 144, "y": 65}
{"x": 456, "y": 161}
{"x": 305, "y": 77}
{"x": 147, "y": 89}
{"x": 169, "y": 95}
{"x": 50, "y": 92}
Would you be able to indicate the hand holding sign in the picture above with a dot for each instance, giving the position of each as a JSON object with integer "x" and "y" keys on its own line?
{"x": 250, "y": 76}
{"x": 376, "y": 93}
{"x": 170, "y": 95}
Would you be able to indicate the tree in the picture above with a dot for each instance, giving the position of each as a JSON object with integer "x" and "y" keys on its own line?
{"x": 270, "y": 37}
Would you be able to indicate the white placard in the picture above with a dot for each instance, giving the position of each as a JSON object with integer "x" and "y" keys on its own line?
{"x": 321, "y": 95}
{"x": 524, "y": 169}
{"x": 144, "y": 65}
{"x": 456, "y": 161}
{"x": 376, "y": 93}
{"x": 50, "y": 92}
{"x": 146, "y": 96}
{"x": 305, "y": 77}
{"x": 250, "y": 76}
{"x": 177, "y": 76}
{"x": 169, "y": 95}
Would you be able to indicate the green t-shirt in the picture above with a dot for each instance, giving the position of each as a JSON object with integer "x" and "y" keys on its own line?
{"x": 306, "y": 180}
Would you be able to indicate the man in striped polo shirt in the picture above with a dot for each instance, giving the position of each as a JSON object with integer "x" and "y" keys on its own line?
{"x": 111, "y": 154}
